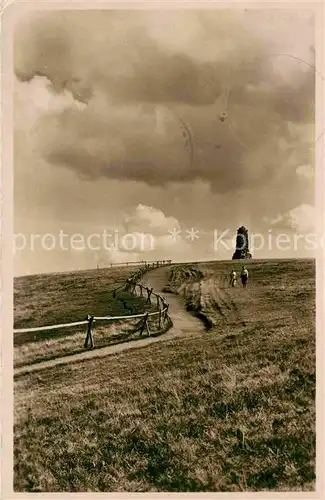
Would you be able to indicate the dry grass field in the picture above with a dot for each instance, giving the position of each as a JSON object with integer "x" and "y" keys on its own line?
{"x": 226, "y": 408}
{"x": 48, "y": 299}
{"x": 52, "y": 299}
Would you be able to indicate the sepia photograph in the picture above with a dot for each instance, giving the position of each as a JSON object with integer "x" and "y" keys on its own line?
{"x": 165, "y": 245}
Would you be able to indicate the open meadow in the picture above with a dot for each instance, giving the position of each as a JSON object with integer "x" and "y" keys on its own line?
{"x": 224, "y": 403}
{"x": 52, "y": 299}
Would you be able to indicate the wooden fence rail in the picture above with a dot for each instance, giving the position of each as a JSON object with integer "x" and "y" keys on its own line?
{"x": 156, "y": 263}
{"x": 131, "y": 286}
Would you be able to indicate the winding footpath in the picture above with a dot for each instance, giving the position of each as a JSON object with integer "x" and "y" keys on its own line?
{"x": 184, "y": 324}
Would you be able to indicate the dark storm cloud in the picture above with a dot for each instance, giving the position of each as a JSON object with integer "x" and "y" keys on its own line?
{"x": 126, "y": 62}
{"x": 123, "y": 69}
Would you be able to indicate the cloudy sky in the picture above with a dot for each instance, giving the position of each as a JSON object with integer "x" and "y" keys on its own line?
{"x": 117, "y": 128}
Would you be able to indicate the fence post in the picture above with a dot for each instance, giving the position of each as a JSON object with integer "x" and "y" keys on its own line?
{"x": 164, "y": 310}
{"x": 89, "y": 336}
{"x": 145, "y": 324}
{"x": 149, "y": 294}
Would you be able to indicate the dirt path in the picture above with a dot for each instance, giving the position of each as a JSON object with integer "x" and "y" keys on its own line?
{"x": 183, "y": 325}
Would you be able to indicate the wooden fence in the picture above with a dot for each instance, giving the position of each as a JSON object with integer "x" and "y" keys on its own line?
{"x": 154, "y": 263}
{"x": 132, "y": 285}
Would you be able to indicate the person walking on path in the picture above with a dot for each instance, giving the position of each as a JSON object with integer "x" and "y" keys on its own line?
{"x": 244, "y": 276}
{"x": 233, "y": 278}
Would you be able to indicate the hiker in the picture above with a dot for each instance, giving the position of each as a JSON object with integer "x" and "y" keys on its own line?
{"x": 244, "y": 276}
{"x": 233, "y": 278}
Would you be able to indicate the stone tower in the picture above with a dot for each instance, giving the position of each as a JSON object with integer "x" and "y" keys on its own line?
{"x": 242, "y": 244}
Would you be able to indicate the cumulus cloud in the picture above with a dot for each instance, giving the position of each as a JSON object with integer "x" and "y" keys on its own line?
{"x": 124, "y": 65}
{"x": 37, "y": 98}
{"x": 306, "y": 172}
{"x": 151, "y": 220}
{"x": 152, "y": 227}
{"x": 301, "y": 219}
{"x": 145, "y": 235}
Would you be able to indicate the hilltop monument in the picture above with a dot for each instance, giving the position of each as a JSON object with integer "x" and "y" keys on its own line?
{"x": 242, "y": 244}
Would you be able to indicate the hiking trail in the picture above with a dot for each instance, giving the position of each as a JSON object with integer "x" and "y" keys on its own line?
{"x": 184, "y": 324}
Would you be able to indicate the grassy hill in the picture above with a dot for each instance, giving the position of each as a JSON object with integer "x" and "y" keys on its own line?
{"x": 283, "y": 291}
{"x": 51, "y": 299}
{"x": 48, "y": 299}
{"x": 229, "y": 409}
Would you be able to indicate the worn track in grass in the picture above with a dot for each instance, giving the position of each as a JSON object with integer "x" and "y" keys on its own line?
{"x": 184, "y": 324}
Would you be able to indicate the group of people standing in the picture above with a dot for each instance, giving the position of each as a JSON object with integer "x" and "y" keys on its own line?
{"x": 243, "y": 277}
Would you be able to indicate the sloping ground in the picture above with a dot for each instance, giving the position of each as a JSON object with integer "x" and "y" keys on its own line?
{"x": 204, "y": 294}
{"x": 231, "y": 409}
{"x": 283, "y": 290}
{"x": 50, "y": 299}
{"x": 42, "y": 300}
{"x": 183, "y": 325}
